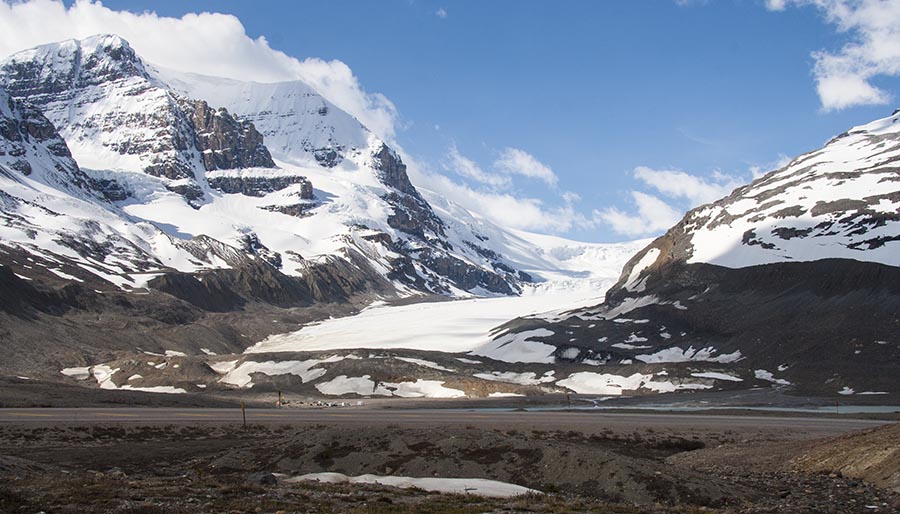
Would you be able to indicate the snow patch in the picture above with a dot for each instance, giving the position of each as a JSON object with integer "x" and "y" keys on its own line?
{"x": 520, "y": 348}
{"x": 526, "y": 378}
{"x": 647, "y": 260}
{"x": 587, "y": 382}
{"x": 717, "y": 376}
{"x": 425, "y": 363}
{"x": 306, "y": 370}
{"x": 476, "y": 486}
{"x": 762, "y": 374}
{"x": 676, "y": 354}
{"x": 79, "y": 373}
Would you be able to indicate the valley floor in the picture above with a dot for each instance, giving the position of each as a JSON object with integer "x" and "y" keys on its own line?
{"x": 157, "y": 461}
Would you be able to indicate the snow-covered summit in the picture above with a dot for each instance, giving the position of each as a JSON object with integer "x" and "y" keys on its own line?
{"x": 114, "y": 116}
{"x": 841, "y": 201}
{"x": 300, "y": 126}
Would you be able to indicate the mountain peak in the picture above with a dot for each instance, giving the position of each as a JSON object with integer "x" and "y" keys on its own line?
{"x": 55, "y": 67}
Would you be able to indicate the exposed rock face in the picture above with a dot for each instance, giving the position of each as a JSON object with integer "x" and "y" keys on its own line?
{"x": 138, "y": 123}
{"x": 25, "y": 136}
{"x": 298, "y": 210}
{"x": 464, "y": 275}
{"x": 251, "y": 185}
{"x": 251, "y": 245}
{"x": 327, "y": 280}
{"x": 225, "y": 142}
{"x": 414, "y": 216}
{"x": 392, "y": 171}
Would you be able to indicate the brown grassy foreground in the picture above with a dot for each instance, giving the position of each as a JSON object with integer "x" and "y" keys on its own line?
{"x": 218, "y": 469}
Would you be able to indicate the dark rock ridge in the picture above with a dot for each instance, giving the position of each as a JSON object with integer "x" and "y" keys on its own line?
{"x": 297, "y": 210}
{"x": 251, "y": 185}
{"x": 413, "y": 216}
{"x": 224, "y": 141}
{"x": 330, "y": 279}
{"x": 392, "y": 171}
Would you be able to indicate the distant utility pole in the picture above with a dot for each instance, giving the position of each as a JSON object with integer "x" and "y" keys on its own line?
{"x": 244, "y": 413}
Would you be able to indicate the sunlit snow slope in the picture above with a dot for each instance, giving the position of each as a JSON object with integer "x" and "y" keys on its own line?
{"x": 220, "y": 174}
{"x": 792, "y": 281}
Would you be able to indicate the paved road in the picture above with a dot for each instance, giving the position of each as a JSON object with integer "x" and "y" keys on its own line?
{"x": 584, "y": 421}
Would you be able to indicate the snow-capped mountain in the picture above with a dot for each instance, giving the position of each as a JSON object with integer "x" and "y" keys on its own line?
{"x": 790, "y": 280}
{"x": 191, "y": 156}
{"x": 150, "y": 211}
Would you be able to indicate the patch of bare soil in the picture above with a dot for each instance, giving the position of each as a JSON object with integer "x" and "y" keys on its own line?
{"x": 872, "y": 455}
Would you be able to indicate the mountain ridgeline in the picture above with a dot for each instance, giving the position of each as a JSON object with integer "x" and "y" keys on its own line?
{"x": 795, "y": 277}
{"x": 137, "y": 139}
{"x": 152, "y": 211}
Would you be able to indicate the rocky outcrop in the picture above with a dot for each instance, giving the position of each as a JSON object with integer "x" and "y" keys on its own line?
{"x": 464, "y": 275}
{"x": 392, "y": 172}
{"x": 331, "y": 279}
{"x": 251, "y": 245}
{"x": 25, "y": 136}
{"x": 297, "y": 210}
{"x": 225, "y": 142}
{"x": 251, "y": 185}
{"x": 414, "y": 216}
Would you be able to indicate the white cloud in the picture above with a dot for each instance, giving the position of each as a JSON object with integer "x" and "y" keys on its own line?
{"x": 511, "y": 161}
{"x": 470, "y": 169}
{"x": 487, "y": 194}
{"x": 205, "y": 43}
{"x": 682, "y": 191}
{"x": 519, "y": 162}
{"x": 694, "y": 189}
{"x": 652, "y": 215}
{"x": 441, "y": 13}
{"x": 843, "y": 78}
{"x": 503, "y": 208}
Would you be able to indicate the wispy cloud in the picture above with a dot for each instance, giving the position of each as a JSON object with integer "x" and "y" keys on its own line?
{"x": 651, "y": 215}
{"x": 510, "y": 162}
{"x": 844, "y": 78}
{"x": 441, "y": 13}
{"x": 468, "y": 168}
{"x": 519, "y": 162}
{"x": 671, "y": 193}
{"x": 502, "y": 207}
{"x": 694, "y": 189}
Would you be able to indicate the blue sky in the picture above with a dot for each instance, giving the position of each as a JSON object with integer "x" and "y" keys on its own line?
{"x": 609, "y": 95}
